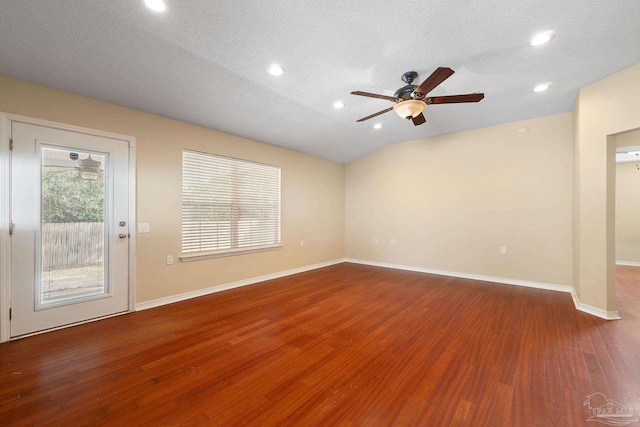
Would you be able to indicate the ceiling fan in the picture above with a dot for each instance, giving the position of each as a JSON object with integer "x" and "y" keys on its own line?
{"x": 411, "y": 99}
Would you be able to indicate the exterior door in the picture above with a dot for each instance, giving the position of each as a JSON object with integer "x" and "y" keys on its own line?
{"x": 69, "y": 210}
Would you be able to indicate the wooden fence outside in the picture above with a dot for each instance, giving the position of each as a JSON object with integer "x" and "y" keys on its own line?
{"x": 72, "y": 244}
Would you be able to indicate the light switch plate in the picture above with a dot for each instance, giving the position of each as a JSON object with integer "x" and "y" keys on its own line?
{"x": 144, "y": 227}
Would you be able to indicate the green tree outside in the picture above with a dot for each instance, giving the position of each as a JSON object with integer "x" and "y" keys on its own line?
{"x": 66, "y": 197}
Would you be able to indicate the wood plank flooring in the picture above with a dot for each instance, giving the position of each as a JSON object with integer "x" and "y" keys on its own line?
{"x": 346, "y": 345}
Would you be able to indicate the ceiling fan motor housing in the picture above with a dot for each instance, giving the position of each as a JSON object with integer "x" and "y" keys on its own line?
{"x": 404, "y": 93}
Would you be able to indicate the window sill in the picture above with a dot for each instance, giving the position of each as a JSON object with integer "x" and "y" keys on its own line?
{"x": 230, "y": 252}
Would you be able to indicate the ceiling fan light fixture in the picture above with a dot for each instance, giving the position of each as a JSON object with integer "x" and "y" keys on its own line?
{"x": 338, "y": 104}
{"x": 377, "y": 126}
{"x": 409, "y": 109}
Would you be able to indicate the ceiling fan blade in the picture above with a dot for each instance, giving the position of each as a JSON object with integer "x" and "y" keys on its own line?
{"x": 373, "y": 95}
{"x": 455, "y": 99}
{"x": 438, "y": 76}
{"x": 375, "y": 114}
{"x": 418, "y": 120}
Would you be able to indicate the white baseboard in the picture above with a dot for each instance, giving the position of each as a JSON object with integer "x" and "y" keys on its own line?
{"x": 226, "y": 286}
{"x": 630, "y": 263}
{"x": 537, "y": 285}
{"x": 607, "y": 315}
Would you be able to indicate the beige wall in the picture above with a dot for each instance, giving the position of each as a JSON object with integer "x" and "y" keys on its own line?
{"x": 453, "y": 201}
{"x": 575, "y": 198}
{"x": 603, "y": 109}
{"x": 312, "y": 190}
{"x": 627, "y": 212}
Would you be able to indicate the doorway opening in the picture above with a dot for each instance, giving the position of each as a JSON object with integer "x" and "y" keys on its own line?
{"x": 624, "y": 173}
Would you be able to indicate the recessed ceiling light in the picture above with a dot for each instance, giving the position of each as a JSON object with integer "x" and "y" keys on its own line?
{"x": 541, "y": 87}
{"x": 157, "y": 5}
{"x": 338, "y": 104}
{"x": 377, "y": 126}
{"x": 275, "y": 70}
{"x": 541, "y": 38}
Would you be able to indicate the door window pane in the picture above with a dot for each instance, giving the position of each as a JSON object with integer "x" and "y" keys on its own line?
{"x": 73, "y": 192}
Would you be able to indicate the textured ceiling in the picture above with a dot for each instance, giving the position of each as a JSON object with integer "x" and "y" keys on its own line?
{"x": 204, "y": 62}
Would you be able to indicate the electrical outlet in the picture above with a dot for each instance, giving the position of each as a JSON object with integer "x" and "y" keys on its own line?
{"x": 375, "y": 240}
{"x": 169, "y": 259}
{"x": 301, "y": 242}
{"x": 503, "y": 250}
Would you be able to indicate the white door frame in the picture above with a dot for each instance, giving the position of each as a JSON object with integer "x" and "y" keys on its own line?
{"x": 5, "y": 209}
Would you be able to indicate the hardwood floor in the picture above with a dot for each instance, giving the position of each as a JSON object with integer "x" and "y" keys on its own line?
{"x": 346, "y": 345}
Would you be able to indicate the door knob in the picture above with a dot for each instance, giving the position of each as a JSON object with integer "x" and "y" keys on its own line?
{"x": 122, "y": 235}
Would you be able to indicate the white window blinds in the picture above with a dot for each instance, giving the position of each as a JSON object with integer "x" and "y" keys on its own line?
{"x": 228, "y": 205}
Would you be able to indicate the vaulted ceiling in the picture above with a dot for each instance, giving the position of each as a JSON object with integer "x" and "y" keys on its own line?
{"x": 204, "y": 62}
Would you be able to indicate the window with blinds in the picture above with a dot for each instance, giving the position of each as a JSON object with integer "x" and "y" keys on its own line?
{"x": 228, "y": 205}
